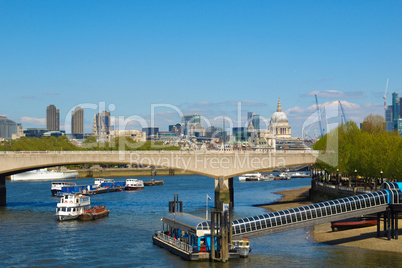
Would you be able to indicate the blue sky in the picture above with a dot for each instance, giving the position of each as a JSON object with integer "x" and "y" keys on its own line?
{"x": 197, "y": 56}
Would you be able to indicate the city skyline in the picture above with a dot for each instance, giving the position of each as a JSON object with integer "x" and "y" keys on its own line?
{"x": 200, "y": 57}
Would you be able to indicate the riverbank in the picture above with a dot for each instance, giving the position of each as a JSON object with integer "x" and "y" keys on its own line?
{"x": 364, "y": 238}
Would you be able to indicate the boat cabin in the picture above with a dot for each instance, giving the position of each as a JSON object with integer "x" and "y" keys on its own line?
{"x": 99, "y": 181}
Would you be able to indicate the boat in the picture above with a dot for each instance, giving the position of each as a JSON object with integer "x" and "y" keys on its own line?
{"x": 94, "y": 213}
{"x": 99, "y": 181}
{"x": 44, "y": 174}
{"x": 56, "y": 186}
{"x": 294, "y": 175}
{"x": 78, "y": 206}
{"x": 152, "y": 182}
{"x": 242, "y": 246}
{"x": 71, "y": 206}
{"x": 283, "y": 176}
{"x": 269, "y": 177}
{"x": 356, "y": 222}
{"x": 134, "y": 184}
{"x": 251, "y": 177}
{"x": 190, "y": 237}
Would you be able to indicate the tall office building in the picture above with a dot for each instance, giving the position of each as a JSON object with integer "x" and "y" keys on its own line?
{"x": 77, "y": 123}
{"x": 52, "y": 118}
{"x": 101, "y": 126}
{"x": 255, "y": 120}
{"x": 191, "y": 125}
{"x": 393, "y": 114}
{"x": 9, "y": 129}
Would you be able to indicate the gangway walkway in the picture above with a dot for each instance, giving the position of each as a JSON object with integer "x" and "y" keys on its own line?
{"x": 318, "y": 213}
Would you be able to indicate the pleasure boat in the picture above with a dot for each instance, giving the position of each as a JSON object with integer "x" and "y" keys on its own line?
{"x": 284, "y": 176}
{"x": 44, "y": 174}
{"x": 269, "y": 177}
{"x": 56, "y": 186}
{"x": 99, "y": 181}
{"x": 71, "y": 206}
{"x": 300, "y": 175}
{"x": 251, "y": 177}
{"x": 134, "y": 184}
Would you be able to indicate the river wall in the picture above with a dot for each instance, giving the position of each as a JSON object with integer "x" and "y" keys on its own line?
{"x": 321, "y": 192}
{"x": 128, "y": 172}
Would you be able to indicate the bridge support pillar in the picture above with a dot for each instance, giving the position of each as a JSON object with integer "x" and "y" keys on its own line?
{"x": 221, "y": 219}
{"x": 222, "y": 191}
{"x": 220, "y": 234}
{"x": 231, "y": 192}
{"x": 3, "y": 190}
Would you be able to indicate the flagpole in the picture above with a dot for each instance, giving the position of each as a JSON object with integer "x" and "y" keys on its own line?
{"x": 206, "y": 209}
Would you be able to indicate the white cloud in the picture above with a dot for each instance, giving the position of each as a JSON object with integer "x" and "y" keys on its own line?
{"x": 33, "y": 121}
{"x": 356, "y": 112}
{"x": 336, "y": 94}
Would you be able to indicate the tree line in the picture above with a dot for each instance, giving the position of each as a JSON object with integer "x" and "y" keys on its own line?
{"x": 368, "y": 150}
{"x": 63, "y": 143}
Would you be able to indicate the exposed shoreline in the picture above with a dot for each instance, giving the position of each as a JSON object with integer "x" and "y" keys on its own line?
{"x": 364, "y": 238}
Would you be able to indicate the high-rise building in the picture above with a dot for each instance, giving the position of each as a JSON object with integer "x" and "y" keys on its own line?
{"x": 393, "y": 114}
{"x": 254, "y": 119}
{"x": 151, "y": 132}
{"x": 9, "y": 129}
{"x": 77, "y": 123}
{"x": 389, "y": 119}
{"x": 52, "y": 118}
{"x": 101, "y": 126}
{"x": 191, "y": 125}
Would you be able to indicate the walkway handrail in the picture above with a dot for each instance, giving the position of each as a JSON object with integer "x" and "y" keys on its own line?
{"x": 179, "y": 244}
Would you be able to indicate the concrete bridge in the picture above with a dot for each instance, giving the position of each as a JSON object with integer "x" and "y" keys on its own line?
{"x": 222, "y": 166}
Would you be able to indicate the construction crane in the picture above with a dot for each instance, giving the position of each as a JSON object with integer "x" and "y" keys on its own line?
{"x": 319, "y": 116}
{"x": 343, "y": 112}
{"x": 385, "y": 95}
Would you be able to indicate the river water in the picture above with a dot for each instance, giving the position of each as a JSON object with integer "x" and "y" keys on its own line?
{"x": 31, "y": 236}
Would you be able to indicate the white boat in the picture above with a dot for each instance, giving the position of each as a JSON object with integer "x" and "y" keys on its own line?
{"x": 242, "y": 246}
{"x": 134, "y": 184}
{"x": 71, "y": 206}
{"x": 269, "y": 177}
{"x": 56, "y": 186}
{"x": 99, "y": 181}
{"x": 44, "y": 174}
{"x": 284, "y": 176}
{"x": 300, "y": 175}
{"x": 250, "y": 177}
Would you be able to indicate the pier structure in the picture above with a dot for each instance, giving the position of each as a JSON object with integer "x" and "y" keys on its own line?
{"x": 212, "y": 239}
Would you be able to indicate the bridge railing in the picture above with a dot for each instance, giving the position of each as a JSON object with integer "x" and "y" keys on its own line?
{"x": 163, "y": 152}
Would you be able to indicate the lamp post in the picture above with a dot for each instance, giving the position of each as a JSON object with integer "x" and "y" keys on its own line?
{"x": 337, "y": 176}
{"x": 381, "y": 177}
{"x": 355, "y": 177}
